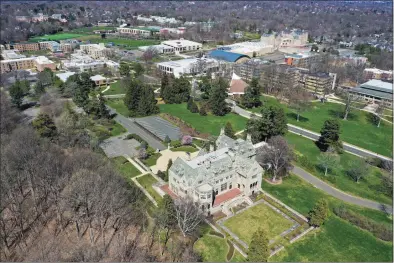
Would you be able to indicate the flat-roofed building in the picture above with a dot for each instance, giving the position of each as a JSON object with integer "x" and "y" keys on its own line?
{"x": 11, "y": 54}
{"x": 65, "y": 75}
{"x": 189, "y": 66}
{"x": 161, "y": 49}
{"x": 250, "y": 69}
{"x": 43, "y": 63}
{"x": 66, "y": 47}
{"x": 50, "y": 45}
{"x": 302, "y": 60}
{"x": 227, "y": 56}
{"x": 96, "y": 50}
{"x": 375, "y": 91}
{"x": 318, "y": 83}
{"x": 183, "y": 45}
{"x": 99, "y": 80}
{"x": 16, "y": 64}
{"x": 25, "y": 46}
{"x": 375, "y": 73}
{"x": 140, "y": 31}
{"x": 250, "y": 48}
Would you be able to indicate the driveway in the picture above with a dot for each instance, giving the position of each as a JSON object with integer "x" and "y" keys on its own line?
{"x": 117, "y": 146}
{"x": 131, "y": 127}
{"x": 337, "y": 193}
{"x": 166, "y": 155}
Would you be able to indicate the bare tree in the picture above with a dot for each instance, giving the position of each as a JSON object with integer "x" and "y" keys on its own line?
{"x": 277, "y": 156}
{"x": 299, "y": 100}
{"x": 349, "y": 99}
{"x": 188, "y": 215}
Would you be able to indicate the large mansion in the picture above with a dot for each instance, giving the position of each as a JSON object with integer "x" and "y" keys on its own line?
{"x": 217, "y": 177}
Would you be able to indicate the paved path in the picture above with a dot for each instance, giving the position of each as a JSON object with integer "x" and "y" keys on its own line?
{"x": 131, "y": 127}
{"x": 166, "y": 155}
{"x": 313, "y": 135}
{"x": 337, "y": 193}
{"x": 134, "y": 179}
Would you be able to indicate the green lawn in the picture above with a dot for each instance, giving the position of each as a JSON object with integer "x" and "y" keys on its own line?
{"x": 185, "y": 148}
{"x": 152, "y": 159}
{"x": 117, "y": 129}
{"x": 247, "y": 222}
{"x": 146, "y": 181}
{"x": 205, "y": 124}
{"x": 58, "y": 36}
{"x": 367, "y": 187}
{"x": 115, "y": 88}
{"x": 125, "y": 43}
{"x": 91, "y": 29}
{"x": 237, "y": 257}
{"x": 127, "y": 169}
{"x": 119, "y": 106}
{"x": 302, "y": 196}
{"x": 212, "y": 248}
{"x": 337, "y": 240}
{"x": 357, "y": 130}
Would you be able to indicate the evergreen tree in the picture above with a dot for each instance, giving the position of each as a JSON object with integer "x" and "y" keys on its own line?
{"x": 189, "y": 103}
{"x": 80, "y": 97}
{"x": 39, "y": 88}
{"x": 133, "y": 94}
{"x": 279, "y": 121}
{"x": 203, "y": 111}
{"x": 217, "y": 101}
{"x": 138, "y": 69}
{"x": 147, "y": 102}
{"x": 44, "y": 126}
{"x": 258, "y": 249}
{"x": 177, "y": 91}
{"x": 251, "y": 98}
{"x": 330, "y": 136}
{"x": 229, "y": 131}
{"x": 319, "y": 213}
{"x": 124, "y": 69}
{"x": 164, "y": 84}
{"x": 194, "y": 108}
{"x": 16, "y": 93}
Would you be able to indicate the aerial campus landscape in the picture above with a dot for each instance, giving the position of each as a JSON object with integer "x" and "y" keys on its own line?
{"x": 196, "y": 131}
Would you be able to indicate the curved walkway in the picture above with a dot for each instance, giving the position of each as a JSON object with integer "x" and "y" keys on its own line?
{"x": 339, "y": 194}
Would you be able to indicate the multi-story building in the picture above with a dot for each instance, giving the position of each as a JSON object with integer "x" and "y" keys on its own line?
{"x": 276, "y": 78}
{"x": 24, "y": 46}
{"x": 11, "y": 54}
{"x": 16, "y": 64}
{"x": 96, "y": 50}
{"x": 178, "y": 31}
{"x": 81, "y": 63}
{"x": 42, "y": 63}
{"x": 213, "y": 179}
{"x": 250, "y": 69}
{"x": 286, "y": 38}
{"x": 318, "y": 83}
{"x": 66, "y": 48}
{"x": 302, "y": 60}
{"x": 22, "y": 18}
{"x": 104, "y": 23}
{"x": 182, "y": 45}
{"x": 138, "y": 31}
{"x": 40, "y": 17}
{"x": 249, "y": 48}
{"x": 50, "y": 45}
{"x": 161, "y": 49}
{"x": 375, "y": 91}
{"x": 189, "y": 66}
{"x": 374, "y": 73}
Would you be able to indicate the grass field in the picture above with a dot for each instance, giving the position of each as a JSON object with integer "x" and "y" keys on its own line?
{"x": 152, "y": 159}
{"x": 247, "y": 222}
{"x": 205, "y": 124}
{"x": 212, "y": 248}
{"x": 91, "y": 29}
{"x": 337, "y": 241}
{"x": 58, "y": 36}
{"x": 367, "y": 187}
{"x": 146, "y": 181}
{"x": 185, "y": 148}
{"x": 357, "y": 130}
{"x": 125, "y": 43}
{"x": 117, "y": 129}
{"x": 127, "y": 169}
{"x": 118, "y": 105}
{"x": 115, "y": 88}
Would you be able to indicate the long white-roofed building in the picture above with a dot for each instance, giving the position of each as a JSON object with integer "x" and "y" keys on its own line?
{"x": 183, "y": 45}
{"x": 189, "y": 66}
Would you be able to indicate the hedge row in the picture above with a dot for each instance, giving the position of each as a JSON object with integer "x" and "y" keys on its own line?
{"x": 380, "y": 231}
{"x": 135, "y": 137}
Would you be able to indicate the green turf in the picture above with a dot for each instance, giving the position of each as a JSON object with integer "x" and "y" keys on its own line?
{"x": 205, "y": 124}
{"x": 124, "y": 43}
{"x": 185, "y": 148}
{"x": 91, "y": 29}
{"x": 127, "y": 169}
{"x": 337, "y": 241}
{"x": 152, "y": 159}
{"x": 367, "y": 187}
{"x": 247, "y": 222}
{"x": 357, "y": 130}
{"x": 115, "y": 88}
{"x": 117, "y": 129}
{"x": 119, "y": 106}
{"x": 237, "y": 257}
{"x": 146, "y": 181}
{"x": 58, "y": 36}
{"x": 302, "y": 196}
{"x": 212, "y": 248}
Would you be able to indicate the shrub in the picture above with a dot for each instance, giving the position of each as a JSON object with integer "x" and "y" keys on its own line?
{"x": 167, "y": 139}
{"x": 203, "y": 111}
{"x": 193, "y": 108}
{"x": 187, "y": 140}
{"x": 380, "y": 231}
{"x": 215, "y": 233}
{"x": 162, "y": 175}
{"x": 175, "y": 144}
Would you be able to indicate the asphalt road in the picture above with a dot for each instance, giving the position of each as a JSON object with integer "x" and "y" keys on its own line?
{"x": 315, "y": 136}
{"x": 339, "y": 194}
{"x": 131, "y": 127}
